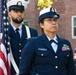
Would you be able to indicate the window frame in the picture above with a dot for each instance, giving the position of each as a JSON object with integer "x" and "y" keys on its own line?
{"x": 73, "y": 37}
{"x": 28, "y": 21}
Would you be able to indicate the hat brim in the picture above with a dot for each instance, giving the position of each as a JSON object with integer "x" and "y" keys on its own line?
{"x": 16, "y": 7}
{"x": 48, "y": 15}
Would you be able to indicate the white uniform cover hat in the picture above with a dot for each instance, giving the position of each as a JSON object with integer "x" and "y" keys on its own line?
{"x": 17, "y": 4}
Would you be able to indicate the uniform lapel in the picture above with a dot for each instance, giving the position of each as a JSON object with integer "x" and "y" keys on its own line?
{"x": 24, "y": 35}
{"x": 46, "y": 42}
{"x": 60, "y": 44}
{"x": 12, "y": 32}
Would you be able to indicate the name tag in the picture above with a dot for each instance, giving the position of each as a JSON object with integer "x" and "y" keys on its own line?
{"x": 42, "y": 49}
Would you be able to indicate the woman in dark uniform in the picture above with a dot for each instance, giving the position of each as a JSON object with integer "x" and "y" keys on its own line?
{"x": 47, "y": 54}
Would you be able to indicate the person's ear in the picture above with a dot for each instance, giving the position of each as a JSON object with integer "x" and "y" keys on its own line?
{"x": 9, "y": 14}
{"x": 41, "y": 25}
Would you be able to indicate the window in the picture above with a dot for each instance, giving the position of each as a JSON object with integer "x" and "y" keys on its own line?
{"x": 74, "y": 27}
{"x": 26, "y": 22}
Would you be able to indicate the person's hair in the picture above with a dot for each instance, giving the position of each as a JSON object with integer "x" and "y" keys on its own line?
{"x": 42, "y": 21}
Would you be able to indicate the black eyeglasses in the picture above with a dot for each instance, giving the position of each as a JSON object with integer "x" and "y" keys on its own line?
{"x": 51, "y": 20}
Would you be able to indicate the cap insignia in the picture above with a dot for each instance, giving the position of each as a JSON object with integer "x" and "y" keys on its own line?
{"x": 55, "y": 16}
{"x": 19, "y": 3}
{"x": 52, "y": 10}
{"x": 55, "y": 10}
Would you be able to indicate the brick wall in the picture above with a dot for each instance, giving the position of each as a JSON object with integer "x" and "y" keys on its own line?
{"x": 66, "y": 9}
{"x": 31, "y": 13}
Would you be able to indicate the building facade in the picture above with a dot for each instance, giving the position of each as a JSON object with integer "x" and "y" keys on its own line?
{"x": 67, "y": 21}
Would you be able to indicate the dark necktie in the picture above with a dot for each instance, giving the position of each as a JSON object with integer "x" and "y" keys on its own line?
{"x": 17, "y": 34}
{"x": 52, "y": 41}
{"x": 54, "y": 46}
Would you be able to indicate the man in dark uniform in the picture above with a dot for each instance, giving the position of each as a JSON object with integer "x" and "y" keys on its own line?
{"x": 18, "y": 32}
{"x": 47, "y": 54}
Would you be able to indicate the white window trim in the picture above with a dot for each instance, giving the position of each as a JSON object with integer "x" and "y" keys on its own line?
{"x": 73, "y": 37}
{"x": 27, "y": 21}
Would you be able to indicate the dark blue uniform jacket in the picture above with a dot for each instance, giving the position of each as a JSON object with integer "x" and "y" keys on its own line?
{"x": 17, "y": 46}
{"x": 39, "y": 58}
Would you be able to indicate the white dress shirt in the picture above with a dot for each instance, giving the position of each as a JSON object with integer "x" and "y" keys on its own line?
{"x": 20, "y": 29}
{"x": 54, "y": 45}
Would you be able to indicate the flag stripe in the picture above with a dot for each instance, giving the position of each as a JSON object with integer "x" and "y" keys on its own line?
{"x": 1, "y": 71}
{"x": 2, "y": 56}
{"x": 4, "y": 40}
{"x": 3, "y": 67}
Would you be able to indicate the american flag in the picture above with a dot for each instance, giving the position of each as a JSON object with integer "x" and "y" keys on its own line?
{"x": 4, "y": 40}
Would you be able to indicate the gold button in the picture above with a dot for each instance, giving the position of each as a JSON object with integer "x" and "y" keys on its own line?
{"x": 42, "y": 54}
{"x": 20, "y": 50}
{"x": 56, "y": 66}
{"x": 19, "y": 57}
{"x": 19, "y": 44}
{"x": 56, "y": 56}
